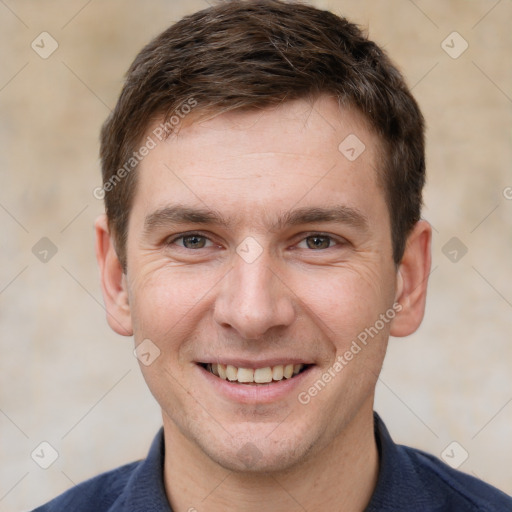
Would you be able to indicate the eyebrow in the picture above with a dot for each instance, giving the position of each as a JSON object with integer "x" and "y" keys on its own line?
{"x": 181, "y": 214}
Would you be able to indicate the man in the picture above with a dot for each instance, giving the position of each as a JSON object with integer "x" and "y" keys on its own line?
{"x": 262, "y": 174}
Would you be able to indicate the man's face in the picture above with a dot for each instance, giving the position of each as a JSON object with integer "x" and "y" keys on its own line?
{"x": 280, "y": 283}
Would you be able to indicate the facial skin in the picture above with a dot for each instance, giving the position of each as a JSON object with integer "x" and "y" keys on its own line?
{"x": 200, "y": 301}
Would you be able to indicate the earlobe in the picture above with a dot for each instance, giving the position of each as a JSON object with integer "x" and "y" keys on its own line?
{"x": 113, "y": 280}
{"x": 412, "y": 280}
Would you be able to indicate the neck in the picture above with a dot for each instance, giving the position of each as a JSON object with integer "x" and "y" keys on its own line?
{"x": 342, "y": 476}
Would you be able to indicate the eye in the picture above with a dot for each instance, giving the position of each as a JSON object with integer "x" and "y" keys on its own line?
{"x": 318, "y": 241}
{"x": 190, "y": 241}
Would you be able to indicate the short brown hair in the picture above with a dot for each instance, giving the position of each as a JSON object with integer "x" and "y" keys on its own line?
{"x": 242, "y": 55}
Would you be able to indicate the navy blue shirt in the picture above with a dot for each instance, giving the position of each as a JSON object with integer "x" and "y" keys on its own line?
{"x": 409, "y": 480}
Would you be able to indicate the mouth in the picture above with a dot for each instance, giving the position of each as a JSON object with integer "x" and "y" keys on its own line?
{"x": 255, "y": 376}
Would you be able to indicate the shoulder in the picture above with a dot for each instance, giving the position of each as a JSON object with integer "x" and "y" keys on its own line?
{"x": 456, "y": 490}
{"x": 97, "y": 494}
{"x": 134, "y": 486}
{"x": 410, "y": 479}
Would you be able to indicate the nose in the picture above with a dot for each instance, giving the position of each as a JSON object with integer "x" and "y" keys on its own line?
{"x": 253, "y": 299}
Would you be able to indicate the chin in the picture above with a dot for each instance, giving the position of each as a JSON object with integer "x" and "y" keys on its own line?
{"x": 250, "y": 459}
{"x": 257, "y": 452}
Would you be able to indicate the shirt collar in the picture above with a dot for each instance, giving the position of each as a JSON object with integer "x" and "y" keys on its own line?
{"x": 145, "y": 491}
{"x": 399, "y": 487}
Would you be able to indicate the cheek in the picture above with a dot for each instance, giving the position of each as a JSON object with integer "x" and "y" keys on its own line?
{"x": 171, "y": 306}
{"x": 348, "y": 312}
{"x": 347, "y": 302}
{"x": 164, "y": 305}
{"x": 160, "y": 301}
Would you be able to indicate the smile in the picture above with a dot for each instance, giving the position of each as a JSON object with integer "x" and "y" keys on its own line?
{"x": 264, "y": 375}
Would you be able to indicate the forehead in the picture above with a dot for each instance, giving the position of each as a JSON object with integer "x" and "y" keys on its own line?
{"x": 298, "y": 154}
{"x": 314, "y": 122}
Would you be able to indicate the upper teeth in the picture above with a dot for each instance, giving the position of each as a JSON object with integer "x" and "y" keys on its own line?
{"x": 258, "y": 375}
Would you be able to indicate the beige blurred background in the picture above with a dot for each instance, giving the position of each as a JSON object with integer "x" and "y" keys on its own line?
{"x": 68, "y": 380}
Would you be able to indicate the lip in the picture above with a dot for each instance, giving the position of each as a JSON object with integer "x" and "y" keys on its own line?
{"x": 253, "y": 394}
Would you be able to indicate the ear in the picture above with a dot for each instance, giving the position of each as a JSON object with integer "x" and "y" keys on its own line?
{"x": 412, "y": 280}
{"x": 113, "y": 280}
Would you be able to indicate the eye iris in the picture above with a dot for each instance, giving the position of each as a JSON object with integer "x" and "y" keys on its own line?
{"x": 193, "y": 242}
{"x": 319, "y": 242}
